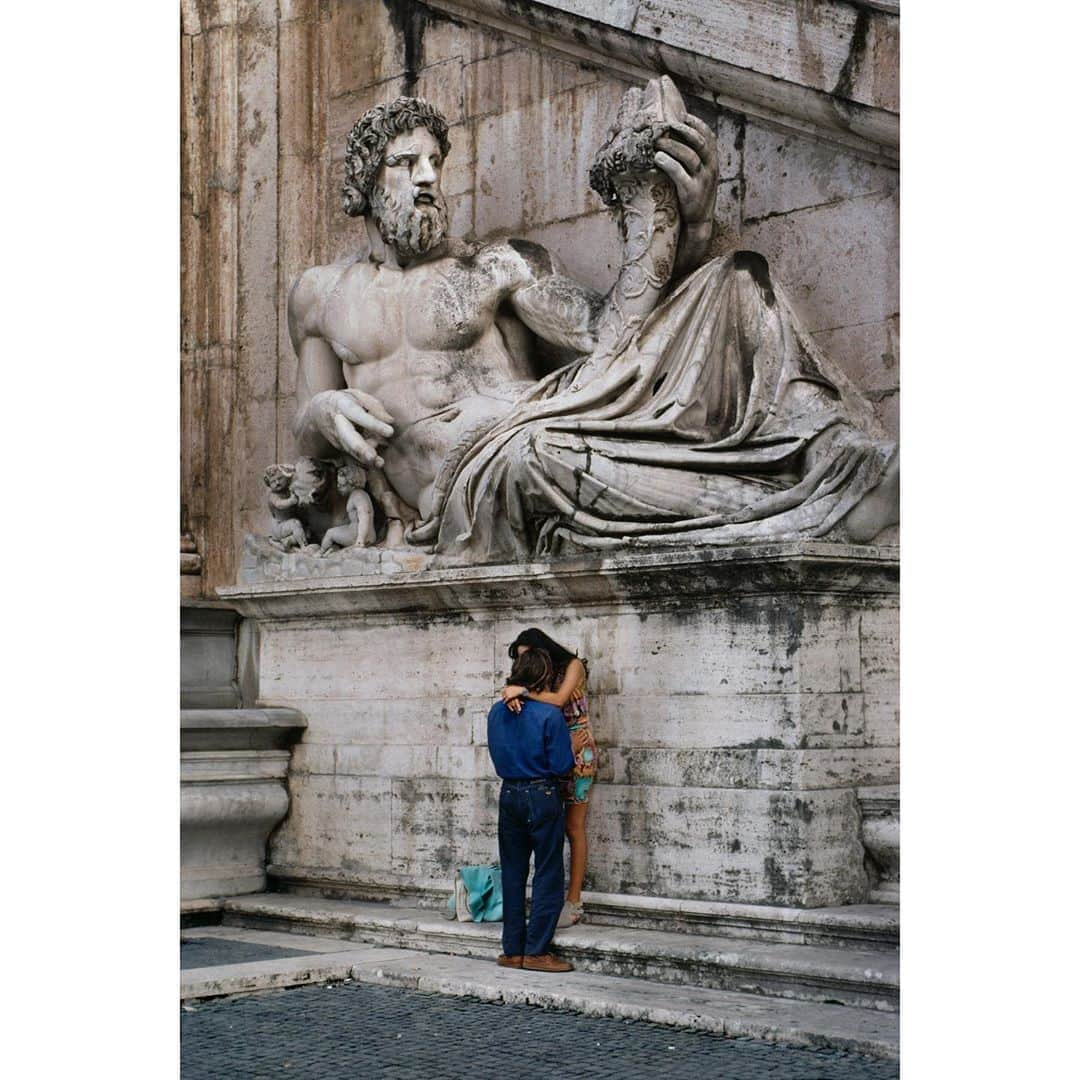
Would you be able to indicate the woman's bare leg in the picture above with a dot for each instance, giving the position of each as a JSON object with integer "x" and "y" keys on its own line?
{"x": 579, "y": 849}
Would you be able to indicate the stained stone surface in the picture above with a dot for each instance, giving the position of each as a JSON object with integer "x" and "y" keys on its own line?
{"x": 739, "y": 700}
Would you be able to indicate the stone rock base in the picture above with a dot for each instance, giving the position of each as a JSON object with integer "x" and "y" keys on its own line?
{"x": 262, "y": 561}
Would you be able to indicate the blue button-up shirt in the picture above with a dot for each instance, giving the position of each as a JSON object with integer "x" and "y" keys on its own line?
{"x": 533, "y": 745}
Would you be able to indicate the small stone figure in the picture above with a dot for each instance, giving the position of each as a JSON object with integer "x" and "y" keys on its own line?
{"x": 321, "y": 507}
{"x": 287, "y": 531}
{"x": 359, "y": 531}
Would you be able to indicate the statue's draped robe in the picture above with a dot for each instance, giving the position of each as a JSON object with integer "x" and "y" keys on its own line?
{"x": 720, "y": 422}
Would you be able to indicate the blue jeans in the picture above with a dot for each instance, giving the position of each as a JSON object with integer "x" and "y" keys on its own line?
{"x": 531, "y": 821}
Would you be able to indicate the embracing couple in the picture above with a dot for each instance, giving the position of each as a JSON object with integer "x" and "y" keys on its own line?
{"x": 542, "y": 747}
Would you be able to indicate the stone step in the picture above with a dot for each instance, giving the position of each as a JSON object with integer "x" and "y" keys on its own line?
{"x": 725, "y": 1012}
{"x": 861, "y": 926}
{"x": 202, "y": 912}
{"x": 864, "y": 979}
{"x": 855, "y": 926}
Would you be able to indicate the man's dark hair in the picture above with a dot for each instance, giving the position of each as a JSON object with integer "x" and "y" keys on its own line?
{"x": 532, "y": 670}
{"x": 367, "y": 141}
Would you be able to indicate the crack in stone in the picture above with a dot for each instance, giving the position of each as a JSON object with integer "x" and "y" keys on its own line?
{"x": 815, "y": 206}
{"x": 851, "y": 326}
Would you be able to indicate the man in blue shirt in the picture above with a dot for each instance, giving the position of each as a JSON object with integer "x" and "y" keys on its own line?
{"x": 530, "y": 750}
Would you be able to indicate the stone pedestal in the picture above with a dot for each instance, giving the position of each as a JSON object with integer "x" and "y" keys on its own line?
{"x": 740, "y": 697}
{"x": 233, "y": 764}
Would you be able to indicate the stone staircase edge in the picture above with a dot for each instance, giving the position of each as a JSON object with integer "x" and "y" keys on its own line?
{"x": 668, "y": 1017}
{"x": 876, "y": 929}
{"x": 817, "y": 966}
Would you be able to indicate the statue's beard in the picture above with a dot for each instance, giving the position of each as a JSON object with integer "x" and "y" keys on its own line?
{"x": 411, "y": 230}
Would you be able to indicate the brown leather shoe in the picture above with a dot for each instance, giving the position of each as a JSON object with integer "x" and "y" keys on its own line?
{"x": 509, "y": 961}
{"x": 546, "y": 962}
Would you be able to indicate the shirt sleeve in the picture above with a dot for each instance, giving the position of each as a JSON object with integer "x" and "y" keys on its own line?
{"x": 560, "y": 754}
{"x": 495, "y": 741}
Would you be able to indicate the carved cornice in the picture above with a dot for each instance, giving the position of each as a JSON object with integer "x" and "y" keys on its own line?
{"x": 678, "y": 576}
{"x": 836, "y": 80}
{"x": 240, "y": 729}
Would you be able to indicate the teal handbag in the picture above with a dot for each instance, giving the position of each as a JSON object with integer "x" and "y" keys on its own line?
{"x": 477, "y": 894}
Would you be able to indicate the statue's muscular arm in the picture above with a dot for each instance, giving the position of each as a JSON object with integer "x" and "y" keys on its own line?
{"x": 553, "y": 305}
{"x": 566, "y": 313}
{"x": 327, "y": 413}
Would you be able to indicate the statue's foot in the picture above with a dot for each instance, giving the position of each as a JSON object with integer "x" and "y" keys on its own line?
{"x": 879, "y": 508}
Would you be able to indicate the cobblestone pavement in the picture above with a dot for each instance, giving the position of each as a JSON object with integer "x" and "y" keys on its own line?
{"x": 198, "y": 952}
{"x": 357, "y": 1030}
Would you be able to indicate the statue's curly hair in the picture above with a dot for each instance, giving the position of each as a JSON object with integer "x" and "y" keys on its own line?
{"x": 367, "y": 141}
{"x": 278, "y": 472}
{"x": 354, "y": 475}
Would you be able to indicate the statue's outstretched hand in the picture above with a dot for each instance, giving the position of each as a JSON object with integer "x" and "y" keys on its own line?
{"x": 344, "y": 417}
{"x": 688, "y": 157}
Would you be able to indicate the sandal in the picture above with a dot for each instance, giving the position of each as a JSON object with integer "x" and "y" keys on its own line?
{"x": 570, "y": 914}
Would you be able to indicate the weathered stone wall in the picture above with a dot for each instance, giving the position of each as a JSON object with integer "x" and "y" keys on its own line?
{"x": 270, "y": 89}
{"x": 739, "y": 699}
{"x": 230, "y": 289}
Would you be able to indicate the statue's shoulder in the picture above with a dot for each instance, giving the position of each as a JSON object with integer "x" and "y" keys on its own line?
{"x": 459, "y": 248}
{"x": 523, "y": 259}
{"x": 477, "y": 252}
{"x": 313, "y": 285}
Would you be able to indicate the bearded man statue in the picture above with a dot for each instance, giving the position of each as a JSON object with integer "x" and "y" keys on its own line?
{"x": 691, "y": 406}
{"x": 409, "y": 222}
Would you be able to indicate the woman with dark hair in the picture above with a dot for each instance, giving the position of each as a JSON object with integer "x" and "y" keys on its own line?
{"x": 567, "y": 691}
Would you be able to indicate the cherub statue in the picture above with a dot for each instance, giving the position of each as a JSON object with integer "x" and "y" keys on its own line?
{"x": 287, "y": 531}
{"x": 359, "y": 530}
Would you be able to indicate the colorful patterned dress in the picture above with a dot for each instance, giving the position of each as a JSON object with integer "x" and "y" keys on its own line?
{"x": 575, "y": 788}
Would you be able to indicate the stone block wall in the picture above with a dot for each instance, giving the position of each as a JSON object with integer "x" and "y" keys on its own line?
{"x": 739, "y": 701}
{"x": 270, "y": 88}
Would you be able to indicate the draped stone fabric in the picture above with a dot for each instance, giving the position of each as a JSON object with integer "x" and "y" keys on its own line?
{"x": 719, "y": 421}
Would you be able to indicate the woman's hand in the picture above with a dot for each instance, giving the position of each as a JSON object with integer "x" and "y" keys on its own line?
{"x": 512, "y": 697}
{"x": 579, "y": 740}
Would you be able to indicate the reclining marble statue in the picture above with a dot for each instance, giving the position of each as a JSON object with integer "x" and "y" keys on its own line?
{"x": 689, "y": 406}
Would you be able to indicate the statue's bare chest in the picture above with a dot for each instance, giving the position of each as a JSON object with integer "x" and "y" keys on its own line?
{"x": 375, "y": 313}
